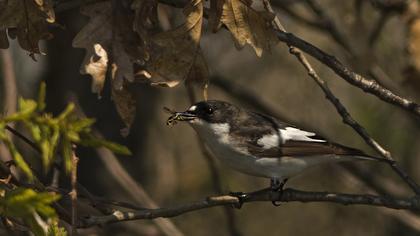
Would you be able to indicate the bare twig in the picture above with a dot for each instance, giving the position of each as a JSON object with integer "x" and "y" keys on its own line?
{"x": 288, "y": 195}
{"x": 73, "y": 193}
{"x": 327, "y": 24}
{"x": 367, "y": 85}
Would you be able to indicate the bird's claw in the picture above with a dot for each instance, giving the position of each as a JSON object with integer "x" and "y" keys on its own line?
{"x": 277, "y": 186}
{"x": 241, "y": 197}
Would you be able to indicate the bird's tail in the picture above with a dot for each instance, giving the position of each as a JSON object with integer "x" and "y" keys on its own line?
{"x": 358, "y": 154}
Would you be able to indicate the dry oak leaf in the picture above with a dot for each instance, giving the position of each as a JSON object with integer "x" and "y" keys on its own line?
{"x": 110, "y": 41}
{"x": 112, "y": 30}
{"x": 97, "y": 68}
{"x": 125, "y": 104}
{"x": 248, "y": 26}
{"x": 176, "y": 54}
{"x": 28, "y": 20}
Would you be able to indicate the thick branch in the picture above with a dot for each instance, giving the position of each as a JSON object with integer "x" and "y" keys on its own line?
{"x": 288, "y": 195}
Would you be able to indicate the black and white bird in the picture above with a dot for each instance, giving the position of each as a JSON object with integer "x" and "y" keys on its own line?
{"x": 261, "y": 145}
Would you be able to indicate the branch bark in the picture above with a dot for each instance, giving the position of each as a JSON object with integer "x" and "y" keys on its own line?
{"x": 288, "y": 195}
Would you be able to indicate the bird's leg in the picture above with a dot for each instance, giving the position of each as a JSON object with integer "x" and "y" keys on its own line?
{"x": 277, "y": 186}
{"x": 241, "y": 197}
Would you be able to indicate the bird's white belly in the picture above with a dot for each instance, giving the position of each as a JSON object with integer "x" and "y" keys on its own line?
{"x": 239, "y": 158}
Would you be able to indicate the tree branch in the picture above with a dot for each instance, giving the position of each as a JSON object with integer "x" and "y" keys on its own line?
{"x": 288, "y": 195}
{"x": 367, "y": 85}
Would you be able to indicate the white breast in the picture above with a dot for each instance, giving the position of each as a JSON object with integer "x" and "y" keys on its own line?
{"x": 216, "y": 137}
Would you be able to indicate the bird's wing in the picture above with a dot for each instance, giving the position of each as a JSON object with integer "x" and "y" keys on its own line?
{"x": 277, "y": 139}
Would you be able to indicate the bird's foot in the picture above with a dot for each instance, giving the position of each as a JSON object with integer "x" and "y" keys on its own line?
{"x": 277, "y": 186}
{"x": 241, "y": 197}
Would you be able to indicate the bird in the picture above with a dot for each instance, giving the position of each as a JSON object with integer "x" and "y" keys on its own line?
{"x": 260, "y": 145}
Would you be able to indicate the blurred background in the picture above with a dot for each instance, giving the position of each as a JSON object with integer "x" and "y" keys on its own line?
{"x": 374, "y": 38}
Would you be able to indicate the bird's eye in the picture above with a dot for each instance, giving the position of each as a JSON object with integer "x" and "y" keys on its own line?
{"x": 210, "y": 110}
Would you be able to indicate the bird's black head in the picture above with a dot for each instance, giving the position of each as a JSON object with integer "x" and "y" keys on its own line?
{"x": 211, "y": 111}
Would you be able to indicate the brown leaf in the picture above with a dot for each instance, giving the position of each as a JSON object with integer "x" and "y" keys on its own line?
{"x": 125, "y": 103}
{"x": 112, "y": 30}
{"x": 109, "y": 39}
{"x": 248, "y": 26}
{"x": 176, "y": 53}
{"x": 97, "y": 67}
{"x": 28, "y": 20}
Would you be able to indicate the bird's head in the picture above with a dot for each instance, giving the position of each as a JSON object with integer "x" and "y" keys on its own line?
{"x": 206, "y": 112}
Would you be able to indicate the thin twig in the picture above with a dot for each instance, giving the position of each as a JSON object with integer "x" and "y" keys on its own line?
{"x": 367, "y": 85}
{"x": 288, "y": 195}
{"x": 353, "y": 78}
{"x": 327, "y": 24}
{"x": 73, "y": 193}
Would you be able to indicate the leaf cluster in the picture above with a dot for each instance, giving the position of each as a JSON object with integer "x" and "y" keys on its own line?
{"x": 32, "y": 208}
{"x": 127, "y": 40}
{"x": 53, "y": 135}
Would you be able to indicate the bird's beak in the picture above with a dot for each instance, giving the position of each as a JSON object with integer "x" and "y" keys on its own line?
{"x": 180, "y": 116}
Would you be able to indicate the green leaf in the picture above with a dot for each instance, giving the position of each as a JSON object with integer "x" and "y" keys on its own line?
{"x": 35, "y": 131}
{"x": 67, "y": 151}
{"x": 55, "y": 230}
{"x": 41, "y": 96}
{"x": 69, "y": 109}
{"x": 45, "y": 150}
{"x": 32, "y": 207}
{"x": 20, "y": 162}
{"x": 26, "y": 108}
{"x": 2, "y": 131}
{"x": 22, "y": 202}
{"x": 54, "y": 141}
{"x": 92, "y": 141}
{"x": 73, "y": 136}
{"x": 82, "y": 124}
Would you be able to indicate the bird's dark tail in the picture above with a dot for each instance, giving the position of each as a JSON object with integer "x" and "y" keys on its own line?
{"x": 356, "y": 153}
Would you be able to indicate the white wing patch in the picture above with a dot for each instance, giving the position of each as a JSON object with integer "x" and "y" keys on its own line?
{"x": 290, "y": 133}
{"x": 269, "y": 141}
